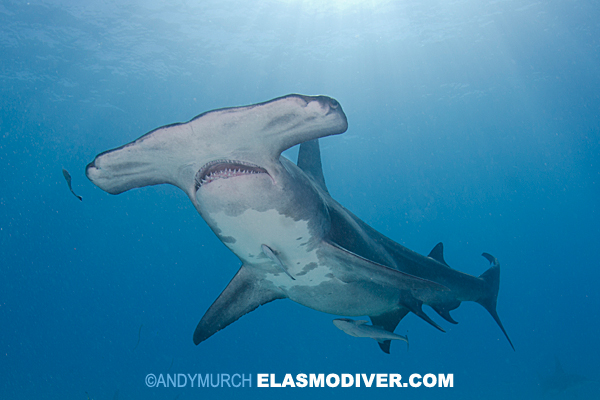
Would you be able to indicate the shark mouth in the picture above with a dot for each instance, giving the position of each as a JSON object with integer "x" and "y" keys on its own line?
{"x": 223, "y": 169}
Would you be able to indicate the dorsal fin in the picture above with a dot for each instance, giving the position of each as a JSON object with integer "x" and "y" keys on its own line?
{"x": 437, "y": 253}
{"x": 309, "y": 161}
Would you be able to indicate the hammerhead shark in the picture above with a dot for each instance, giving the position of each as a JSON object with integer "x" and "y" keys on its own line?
{"x": 560, "y": 381}
{"x": 293, "y": 239}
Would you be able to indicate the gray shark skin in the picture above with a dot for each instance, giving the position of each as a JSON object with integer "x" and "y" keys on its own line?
{"x": 293, "y": 239}
{"x": 361, "y": 329}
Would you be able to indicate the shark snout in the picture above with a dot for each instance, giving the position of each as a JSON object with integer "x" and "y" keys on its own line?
{"x": 330, "y": 105}
{"x": 332, "y": 110}
{"x": 328, "y": 102}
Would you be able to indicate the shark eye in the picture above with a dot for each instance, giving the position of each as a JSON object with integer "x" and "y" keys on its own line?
{"x": 333, "y": 103}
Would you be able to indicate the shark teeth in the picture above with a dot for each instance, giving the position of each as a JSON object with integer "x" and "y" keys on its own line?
{"x": 224, "y": 169}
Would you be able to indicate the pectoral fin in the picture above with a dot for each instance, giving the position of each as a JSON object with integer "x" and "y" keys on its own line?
{"x": 243, "y": 294}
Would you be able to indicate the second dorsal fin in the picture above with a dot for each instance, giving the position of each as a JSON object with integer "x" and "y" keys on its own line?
{"x": 437, "y": 253}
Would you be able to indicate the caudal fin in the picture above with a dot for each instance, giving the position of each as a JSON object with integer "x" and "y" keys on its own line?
{"x": 492, "y": 278}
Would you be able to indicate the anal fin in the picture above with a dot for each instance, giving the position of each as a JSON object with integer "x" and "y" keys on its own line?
{"x": 242, "y": 295}
{"x": 388, "y": 321}
{"x": 444, "y": 311}
{"x": 416, "y": 307}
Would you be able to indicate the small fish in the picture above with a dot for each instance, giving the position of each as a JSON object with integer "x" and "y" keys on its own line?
{"x": 271, "y": 254}
{"x": 361, "y": 329}
{"x": 68, "y": 179}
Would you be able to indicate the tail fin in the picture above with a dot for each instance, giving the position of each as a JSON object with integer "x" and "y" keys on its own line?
{"x": 492, "y": 278}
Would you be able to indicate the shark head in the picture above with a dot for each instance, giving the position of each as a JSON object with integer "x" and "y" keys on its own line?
{"x": 240, "y": 143}
{"x": 229, "y": 163}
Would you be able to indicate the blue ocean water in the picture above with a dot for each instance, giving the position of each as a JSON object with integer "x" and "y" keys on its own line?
{"x": 472, "y": 123}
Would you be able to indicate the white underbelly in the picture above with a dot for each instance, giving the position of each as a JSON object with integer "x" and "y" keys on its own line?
{"x": 293, "y": 242}
{"x": 315, "y": 284}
